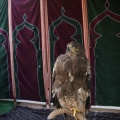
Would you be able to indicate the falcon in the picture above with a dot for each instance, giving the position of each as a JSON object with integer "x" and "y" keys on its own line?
{"x": 71, "y": 82}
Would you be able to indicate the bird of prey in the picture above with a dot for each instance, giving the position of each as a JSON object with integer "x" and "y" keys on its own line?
{"x": 71, "y": 82}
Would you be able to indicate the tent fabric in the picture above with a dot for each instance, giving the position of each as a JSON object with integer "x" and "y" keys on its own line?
{"x": 27, "y": 50}
{"x": 6, "y": 106}
{"x": 104, "y": 29}
{"x": 27, "y": 43}
{"x": 65, "y": 25}
{"x": 5, "y": 82}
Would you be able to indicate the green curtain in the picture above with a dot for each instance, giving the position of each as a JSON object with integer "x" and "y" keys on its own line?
{"x": 4, "y": 51}
{"x": 104, "y": 24}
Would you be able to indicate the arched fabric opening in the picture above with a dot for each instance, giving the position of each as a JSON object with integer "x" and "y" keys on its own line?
{"x": 104, "y": 18}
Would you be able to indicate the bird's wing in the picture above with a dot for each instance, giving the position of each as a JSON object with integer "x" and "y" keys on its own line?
{"x": 88, "y": 82}
{"x": 88, "y": 76}
{"x": 55, "y": 100}
{"x": 57, "y": 65}
{"x": 56, "y": 80}
{"x": 53, "y": 73}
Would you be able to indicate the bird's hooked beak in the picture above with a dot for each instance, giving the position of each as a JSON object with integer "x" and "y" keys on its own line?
{"x": 68, "y": 49}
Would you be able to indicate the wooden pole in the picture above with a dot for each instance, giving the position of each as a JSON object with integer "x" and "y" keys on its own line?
{"x": 85, "y": 28}
{"x": 11, "y": 51}
{"x": 48, "y": 52}
{"x": 45, "y": 49}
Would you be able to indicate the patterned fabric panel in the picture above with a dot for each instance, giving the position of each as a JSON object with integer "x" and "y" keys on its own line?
{"x": 27, "y": 50}
{"x": 104, "y": 18}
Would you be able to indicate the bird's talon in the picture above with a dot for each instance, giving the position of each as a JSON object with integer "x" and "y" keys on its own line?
{"x": 75, "y": 110}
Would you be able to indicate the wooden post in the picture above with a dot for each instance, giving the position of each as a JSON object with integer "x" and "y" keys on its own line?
{"x": 48, "y": 53}
{"x": 11, "y": 50}
{"x": 45, "y": 50}
{"x": 85, "y": 28}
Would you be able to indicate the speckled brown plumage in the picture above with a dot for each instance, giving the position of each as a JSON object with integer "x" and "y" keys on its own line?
{"x": 69, "y": 74}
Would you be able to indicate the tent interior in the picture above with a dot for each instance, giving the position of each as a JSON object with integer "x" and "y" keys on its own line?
{"x": 33, "y": 33}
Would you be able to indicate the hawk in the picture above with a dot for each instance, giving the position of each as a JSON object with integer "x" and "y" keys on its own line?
{"x": 71, "y": 82}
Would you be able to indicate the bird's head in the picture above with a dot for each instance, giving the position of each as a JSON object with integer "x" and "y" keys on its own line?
{"x": 75, "y": 47}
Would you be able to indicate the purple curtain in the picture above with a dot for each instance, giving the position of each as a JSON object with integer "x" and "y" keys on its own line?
{"x": 65, "y": 23}
{"x": 27, "y": 49}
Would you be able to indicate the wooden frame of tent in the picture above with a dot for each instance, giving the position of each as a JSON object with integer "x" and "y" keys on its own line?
{"x": 46, "y": 53}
